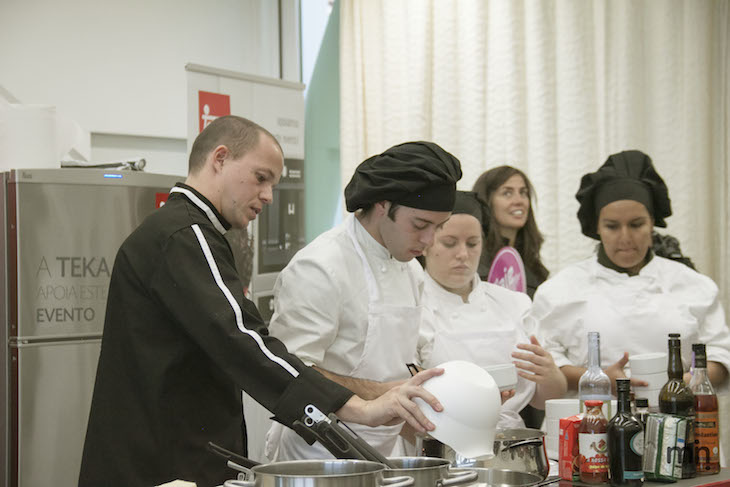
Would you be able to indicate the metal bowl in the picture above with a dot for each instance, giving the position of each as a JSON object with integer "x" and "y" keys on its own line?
{"x": 520, "y": 450}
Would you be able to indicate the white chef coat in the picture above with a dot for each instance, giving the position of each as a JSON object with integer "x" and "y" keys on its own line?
{"x": 327, "y": 302}
{"x": 633, "y": 314}
{"x": 485, "y": 330}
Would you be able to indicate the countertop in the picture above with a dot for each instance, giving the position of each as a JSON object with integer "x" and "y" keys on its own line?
{"x": 721, "y": 479}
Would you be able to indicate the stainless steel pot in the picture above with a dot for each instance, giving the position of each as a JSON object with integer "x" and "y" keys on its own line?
{"x": 429, "y": 472}
{"x": 494, "y": 477}
{"x": 320, "y": 473}
{"x": 515, "y": 450}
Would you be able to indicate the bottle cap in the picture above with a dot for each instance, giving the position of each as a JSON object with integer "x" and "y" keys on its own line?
{"x": 623, "y": 385}
{"x": 674, "y": 335}
{"x": 591, "y": 403}
{"x": 642, "y": 402}
{"x": 698, "y": 347}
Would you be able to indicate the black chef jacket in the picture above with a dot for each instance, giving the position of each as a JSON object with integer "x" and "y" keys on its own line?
{"x": 180, "y": 342}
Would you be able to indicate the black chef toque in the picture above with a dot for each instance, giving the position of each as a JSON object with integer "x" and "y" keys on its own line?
{"x": 467, "y": 203}
{"x": 628, "y": 175}
{"x": 414, "y": 174}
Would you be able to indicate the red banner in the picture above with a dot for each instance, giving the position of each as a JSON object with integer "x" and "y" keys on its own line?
{"x": 212, "y": 106}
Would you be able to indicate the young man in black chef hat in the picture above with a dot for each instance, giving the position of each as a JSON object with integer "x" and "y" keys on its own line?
{"x": 180, "y": 339}
{"x": 349, "y": 302}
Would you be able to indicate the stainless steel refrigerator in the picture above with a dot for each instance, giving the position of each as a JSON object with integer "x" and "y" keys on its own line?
{"x": 60, "y": 233}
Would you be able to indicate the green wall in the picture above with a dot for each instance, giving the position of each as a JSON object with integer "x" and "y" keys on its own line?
{"x": 322, "y": 133}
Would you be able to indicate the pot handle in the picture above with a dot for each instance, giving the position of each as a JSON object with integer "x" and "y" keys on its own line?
{"x": 240, "y": 468}
{"x": 531, "y": 441}
{"x": 460, "y": 478}
{"x": 400, "y": 481}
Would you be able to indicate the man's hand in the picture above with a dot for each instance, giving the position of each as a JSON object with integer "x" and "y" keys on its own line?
{"x": 395, "y": 406}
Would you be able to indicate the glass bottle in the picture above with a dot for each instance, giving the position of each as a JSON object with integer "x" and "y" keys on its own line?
{"x": 594, "y": 384}
{"x": 642, "y": 410}
{"x": 593, "y": 444}
{"x": 676, "y": 398}
{"x": 625, "y": 441}
{"x": 707, "y": 437}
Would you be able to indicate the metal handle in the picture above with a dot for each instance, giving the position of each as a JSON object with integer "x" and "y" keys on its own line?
{"x": 238, "y": 483}
{"x": 531, "y": 441}
{"x": 338, "y": 438}
{"x": 240, "y": 468}
{"x": 460, "y": 478}
{"x": 237, "y": 459}
{"x": 400, "y": 481}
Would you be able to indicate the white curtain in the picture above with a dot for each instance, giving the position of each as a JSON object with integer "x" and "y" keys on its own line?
{"x": 552, "y": 87}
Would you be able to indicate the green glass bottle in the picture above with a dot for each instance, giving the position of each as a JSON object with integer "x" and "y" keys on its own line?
{"x": 625, "y": 441}
{"x": 677, "y": 398}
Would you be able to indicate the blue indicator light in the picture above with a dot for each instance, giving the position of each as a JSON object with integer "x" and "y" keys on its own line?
{"x": 113, "y": 176}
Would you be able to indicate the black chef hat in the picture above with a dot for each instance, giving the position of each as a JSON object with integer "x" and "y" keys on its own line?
{"x": 467, "y": 203}
{"x": 628, "y": 175}
{"x": 415, "y": 174}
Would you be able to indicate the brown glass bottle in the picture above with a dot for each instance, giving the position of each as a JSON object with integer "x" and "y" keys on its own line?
{"x": 677, "y": 398}
{"x": 593, "y": 444}
{"x": 625, "y": 441}
{"x": 707, "y": 437}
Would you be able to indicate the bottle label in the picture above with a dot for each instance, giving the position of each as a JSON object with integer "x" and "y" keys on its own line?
{"x": 633, "y": 475}
{"x": 707, "y": 438}
{"x": 593, "y": 449}
{"x": 636, "y": 443}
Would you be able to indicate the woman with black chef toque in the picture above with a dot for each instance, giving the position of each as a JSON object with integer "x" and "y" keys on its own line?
{"x": 633, "y": 297}
{"x": 468, "y": 319}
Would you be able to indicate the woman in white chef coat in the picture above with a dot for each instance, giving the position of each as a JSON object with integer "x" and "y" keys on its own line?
{"x": 632, "y": 297}
{"x": 468, "y": 319}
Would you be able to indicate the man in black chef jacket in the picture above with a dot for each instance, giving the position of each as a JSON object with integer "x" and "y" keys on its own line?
{"x": 180, "y": 339}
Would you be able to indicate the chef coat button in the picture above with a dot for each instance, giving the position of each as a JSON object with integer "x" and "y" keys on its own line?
{"x": 484, "y": 308}
{"x": 383, "y": 268}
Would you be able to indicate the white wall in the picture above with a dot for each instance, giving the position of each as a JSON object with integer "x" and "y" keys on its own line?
{"x": 163, "y": 155}
{"x": 118, "y": 68}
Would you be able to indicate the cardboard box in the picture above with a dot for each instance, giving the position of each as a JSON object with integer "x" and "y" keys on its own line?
{"x": 664, "y": 446}
{"x": 569, "y": 452}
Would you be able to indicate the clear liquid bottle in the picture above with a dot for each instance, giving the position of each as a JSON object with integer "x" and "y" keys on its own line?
{"x": 594, "y": 384}
{"x": 677, "y": 398}
{"x": 707, "y": 437}
{"x": 625, "y": 441}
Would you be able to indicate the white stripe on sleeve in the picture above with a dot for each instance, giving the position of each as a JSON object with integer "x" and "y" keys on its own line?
{"x": 234, "y": 304}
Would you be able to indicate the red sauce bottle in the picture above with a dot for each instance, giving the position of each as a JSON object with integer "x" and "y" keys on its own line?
{"x": 593, "y": 444}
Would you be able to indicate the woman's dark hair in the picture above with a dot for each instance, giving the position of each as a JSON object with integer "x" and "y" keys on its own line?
{"x": 528, "y": 240}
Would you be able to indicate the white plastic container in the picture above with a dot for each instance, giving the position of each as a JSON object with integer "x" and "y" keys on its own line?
{"x": 505, "y": 375}
{"x": 656, "y": 381}
{"x": 471, "y": 402}
{"x": 648, "y": 363}
{"x": 561, "y": 408}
